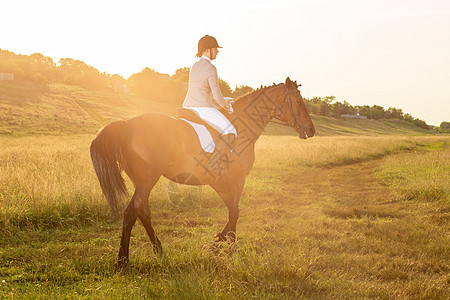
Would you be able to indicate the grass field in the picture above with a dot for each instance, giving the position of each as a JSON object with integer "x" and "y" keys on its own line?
{"x": 359, "y": 211}
{"x": 329, "y": 217}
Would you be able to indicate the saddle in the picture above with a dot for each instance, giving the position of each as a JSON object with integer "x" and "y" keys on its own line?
{"x": 191, "y": 116}
{"x": 211, "y": 142}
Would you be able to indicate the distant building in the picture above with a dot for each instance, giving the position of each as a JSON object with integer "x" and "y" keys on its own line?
{"x": 357, "y": 116}
{"x": 6, "y": 76}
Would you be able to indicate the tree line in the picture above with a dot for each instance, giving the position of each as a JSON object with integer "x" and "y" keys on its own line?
{"x": 162, "y": 87}
{"x": 328, "y": 106}
{"x": 149, "y": 83}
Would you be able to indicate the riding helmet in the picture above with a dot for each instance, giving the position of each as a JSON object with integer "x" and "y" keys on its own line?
{"x": 207, "y": 42}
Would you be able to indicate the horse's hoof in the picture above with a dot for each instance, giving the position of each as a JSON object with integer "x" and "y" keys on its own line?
{"x": 224, "y": 243}
{"x": 122, "y": 262}
{"x": 231, "y": 237}
{"x": 216, "y": 246}
{"x": 220, "y": 237}
{"x": 157, "y": 249}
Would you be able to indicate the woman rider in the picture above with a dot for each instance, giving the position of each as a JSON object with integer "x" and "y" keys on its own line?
{"x": 204, "y": 97}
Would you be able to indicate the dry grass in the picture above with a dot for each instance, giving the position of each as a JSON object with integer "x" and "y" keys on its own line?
{"x": 43, "y": 178}
{"x": 312, "y": 226}
{"x": 287, "y": 151}
{"x": 419, "y": 176}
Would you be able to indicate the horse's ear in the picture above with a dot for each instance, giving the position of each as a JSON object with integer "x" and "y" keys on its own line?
{"x": 288, "y": 81}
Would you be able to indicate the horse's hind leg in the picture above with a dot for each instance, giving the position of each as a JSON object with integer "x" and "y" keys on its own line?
{"x": 129, "y": 218}
{"x": 138, "y": 207}
{"x": 143, "y": 212}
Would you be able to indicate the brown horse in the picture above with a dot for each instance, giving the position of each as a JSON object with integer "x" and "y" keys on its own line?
{"x": 154, "y": 144}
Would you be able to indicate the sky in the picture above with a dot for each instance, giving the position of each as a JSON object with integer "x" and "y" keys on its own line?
{"x": 393, "y": 53}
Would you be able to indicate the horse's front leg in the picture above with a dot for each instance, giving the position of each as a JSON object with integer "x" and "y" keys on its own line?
{"x": 233, "y": 216}
{"x": 230, "y": 196}
{"x": 229, "y": 232}
{"x": 221, "y": 236}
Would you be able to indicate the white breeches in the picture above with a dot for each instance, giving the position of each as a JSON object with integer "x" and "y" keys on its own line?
{"x": 215, "y": 119}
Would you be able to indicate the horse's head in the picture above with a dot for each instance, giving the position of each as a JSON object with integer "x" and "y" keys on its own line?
{"x": 292, "y": 111}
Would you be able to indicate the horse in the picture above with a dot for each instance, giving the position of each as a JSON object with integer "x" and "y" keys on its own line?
{"x": 152, "y": 145}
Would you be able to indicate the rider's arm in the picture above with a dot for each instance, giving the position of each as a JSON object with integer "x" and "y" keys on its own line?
{"x": 213, "y": 81}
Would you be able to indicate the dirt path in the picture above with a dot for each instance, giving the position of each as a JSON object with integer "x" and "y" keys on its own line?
{"x": 350, "y": 184}
{"x": 348, "y": 192}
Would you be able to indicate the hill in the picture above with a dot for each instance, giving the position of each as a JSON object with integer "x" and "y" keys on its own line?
{"x": 328, "y": 126}
{"x": 64, "y": 109}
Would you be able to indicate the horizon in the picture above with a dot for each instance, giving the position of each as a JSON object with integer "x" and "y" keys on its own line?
{"x": 383, "y": 53}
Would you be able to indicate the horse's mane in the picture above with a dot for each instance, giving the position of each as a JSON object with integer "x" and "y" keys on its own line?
{"x": 250, "y": 96}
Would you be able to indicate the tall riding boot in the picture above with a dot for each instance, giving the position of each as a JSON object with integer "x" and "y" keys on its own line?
{"x": 222, "y": 156}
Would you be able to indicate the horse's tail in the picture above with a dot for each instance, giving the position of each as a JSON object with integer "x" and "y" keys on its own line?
{"x": 107, "y": 154}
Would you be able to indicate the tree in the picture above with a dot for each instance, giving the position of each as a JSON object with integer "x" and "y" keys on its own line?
{"x": 313, "y": 105}
{"x": 323, "y": 108}
{"x": 408, "y": 118}
{"x": 182, "y": 75}
{"x": 225, "y": 88}
{"x": 309, "y": 104}
{"x": 145, "y": 83}
{"x": 343, "y": 109}
{"x": 421, "y": 123}
{"x": 445, "y": 126}
{"x": 394, "y": 113}
{"x": 336, "y": 109}
{"x": 43, "y": 68}
{"x": 242, "y": 90}
{"x": 117, "y": 79}
{"x": 157, "y": 86}
{"x": 325, "y": 103}
{"x": 364, "y": 110}
{"x": 316, "y": 100}
{"x": 377, "y": 112}
{"x": 77, "y": 72}
{"x": 35, "y": 67}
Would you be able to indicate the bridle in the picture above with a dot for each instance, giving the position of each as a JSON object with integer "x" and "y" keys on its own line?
{"x": 287, "y": 98}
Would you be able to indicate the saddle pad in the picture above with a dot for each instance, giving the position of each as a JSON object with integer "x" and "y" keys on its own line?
{"x": 205, "y": 137}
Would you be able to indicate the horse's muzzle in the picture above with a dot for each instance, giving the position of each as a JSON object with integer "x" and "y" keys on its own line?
{"x": 305, "y": 133}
